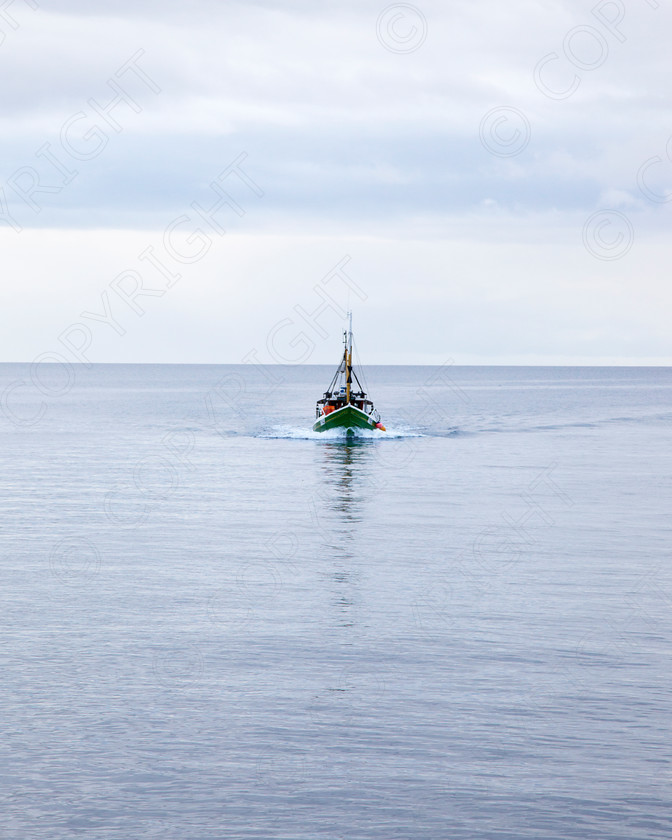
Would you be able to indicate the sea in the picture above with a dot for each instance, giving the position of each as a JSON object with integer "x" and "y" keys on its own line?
{"x": 216, "y": 623}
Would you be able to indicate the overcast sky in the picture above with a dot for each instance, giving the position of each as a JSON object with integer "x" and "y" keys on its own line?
{"x": 481, "y": 181}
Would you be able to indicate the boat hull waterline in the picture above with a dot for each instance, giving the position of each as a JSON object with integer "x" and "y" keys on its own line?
{"x": 348, "y": 417}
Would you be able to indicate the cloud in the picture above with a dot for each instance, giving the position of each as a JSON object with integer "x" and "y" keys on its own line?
{"x": 334, "y": 122}
{"x": 486, "y": 124}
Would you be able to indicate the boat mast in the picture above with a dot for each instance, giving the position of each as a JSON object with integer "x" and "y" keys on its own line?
{"x": 348, "y": 361}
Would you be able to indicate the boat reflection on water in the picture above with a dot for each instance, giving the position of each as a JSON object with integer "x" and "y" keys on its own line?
{"x": 341, "y": 504}
{"x": 345, "y": 481}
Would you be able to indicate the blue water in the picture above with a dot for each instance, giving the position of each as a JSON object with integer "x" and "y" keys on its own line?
{"x": 217, "y": 624}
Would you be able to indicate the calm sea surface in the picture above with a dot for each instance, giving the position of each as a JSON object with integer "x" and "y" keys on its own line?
{"x": 217, "y": 624}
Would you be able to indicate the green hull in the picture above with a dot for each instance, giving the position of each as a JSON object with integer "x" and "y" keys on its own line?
{"x": 347, "y": 417}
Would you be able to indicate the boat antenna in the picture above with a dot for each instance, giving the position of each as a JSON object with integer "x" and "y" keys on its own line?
{"x": 348, "y": 361}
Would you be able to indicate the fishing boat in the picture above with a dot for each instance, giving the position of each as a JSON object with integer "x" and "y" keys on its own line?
{"x": 343, "y": 407}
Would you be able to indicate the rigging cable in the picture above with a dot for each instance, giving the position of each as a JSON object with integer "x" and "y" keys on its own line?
{"x": 356, "y": 352}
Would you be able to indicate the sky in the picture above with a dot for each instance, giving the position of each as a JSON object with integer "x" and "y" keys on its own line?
{"x": 217, "y": 182}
